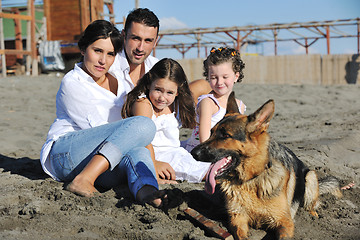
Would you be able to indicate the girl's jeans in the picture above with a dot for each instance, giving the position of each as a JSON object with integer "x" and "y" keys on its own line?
{"x": 122, "y": 143}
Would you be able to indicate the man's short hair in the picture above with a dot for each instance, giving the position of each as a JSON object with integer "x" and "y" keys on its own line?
{"x": 143, "y": 16}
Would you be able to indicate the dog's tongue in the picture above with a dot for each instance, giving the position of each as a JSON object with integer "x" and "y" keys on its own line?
{"x": 210, "y": 176}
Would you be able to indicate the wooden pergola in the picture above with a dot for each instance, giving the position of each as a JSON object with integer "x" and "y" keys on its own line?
{"x": 303, "y": 33}
{"x": 31, "y": 51}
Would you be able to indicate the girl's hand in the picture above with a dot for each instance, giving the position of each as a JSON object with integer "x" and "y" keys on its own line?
{"x": 165, "y": 171}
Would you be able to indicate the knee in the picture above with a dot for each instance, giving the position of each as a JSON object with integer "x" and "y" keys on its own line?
{"x": 145, "y": 127}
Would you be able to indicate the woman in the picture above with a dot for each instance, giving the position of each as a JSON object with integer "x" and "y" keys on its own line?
{"x": 88, "y": 145}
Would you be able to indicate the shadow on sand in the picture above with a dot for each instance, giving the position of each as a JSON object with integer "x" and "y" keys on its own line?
{"x": 27, "y": 167}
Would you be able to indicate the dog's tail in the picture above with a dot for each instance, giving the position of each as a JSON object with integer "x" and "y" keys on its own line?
{"x": 330, "y": 185}
{"x": 315, "y": 187}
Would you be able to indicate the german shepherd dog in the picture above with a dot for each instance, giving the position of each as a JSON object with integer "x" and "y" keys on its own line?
{"x": 263, "y": 182}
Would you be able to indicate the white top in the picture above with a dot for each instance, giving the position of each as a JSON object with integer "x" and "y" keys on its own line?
{"x": 194, "y": 139}
{"x": 167, "y": 148}
{"x": 121, "y": 68}
{"x": 80, "y": 104}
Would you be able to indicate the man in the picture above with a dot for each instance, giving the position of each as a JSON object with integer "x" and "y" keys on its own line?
{"x": 140, "y": 36}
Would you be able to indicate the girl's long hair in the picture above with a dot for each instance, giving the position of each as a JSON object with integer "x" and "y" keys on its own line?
{"x": 172, "y": 70}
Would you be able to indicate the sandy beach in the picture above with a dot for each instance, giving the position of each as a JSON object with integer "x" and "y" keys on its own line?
{"x": 319, "y": 123}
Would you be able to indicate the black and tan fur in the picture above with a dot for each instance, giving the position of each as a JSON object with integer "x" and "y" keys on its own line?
{"x": 264, "y": 183}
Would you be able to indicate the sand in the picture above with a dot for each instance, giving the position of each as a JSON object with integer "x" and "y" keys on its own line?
{"x": 319, "y": 123}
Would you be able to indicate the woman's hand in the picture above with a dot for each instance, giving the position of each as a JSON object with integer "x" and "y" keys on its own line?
{"x": 166, "y": 174}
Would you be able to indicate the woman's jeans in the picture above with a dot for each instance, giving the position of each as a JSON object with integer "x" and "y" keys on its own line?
{"x": 122, "y": 143}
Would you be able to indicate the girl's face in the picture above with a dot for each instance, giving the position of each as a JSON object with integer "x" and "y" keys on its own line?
{"x": 98, "y": 57}
{"x": 222, "y": 78}
{"x": 162, "y": 93}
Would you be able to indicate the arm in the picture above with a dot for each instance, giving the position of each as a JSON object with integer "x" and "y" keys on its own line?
{"x": 163, "y": 170}
{"x": 206, "y": 109}
{"x": 199, "y": 87}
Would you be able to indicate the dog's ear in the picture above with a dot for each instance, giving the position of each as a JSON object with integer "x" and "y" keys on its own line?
{"x": 232, "y": 106}
{"x": 259, "y": 121}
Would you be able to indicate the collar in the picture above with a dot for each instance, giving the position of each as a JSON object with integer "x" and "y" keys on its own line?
{"x": 124, "y": 64}
{"x": 82, "y": 74}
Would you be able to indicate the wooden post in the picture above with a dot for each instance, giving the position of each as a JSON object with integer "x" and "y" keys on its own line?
{"x": 238, "y": 41}
{"x": 47, "y": 15}
{"x": 328, "y": 39}
{"x": 97, "y": 10}
{"x": 84, "y": 14}
{"x": 275, "y": 41}
{"x": 28, "y": 41}
{"x": 35, "y": 70}
{"x": 2, "y": 45}
{"x": 198, "y": 38}
{"x": 18, "y": 37}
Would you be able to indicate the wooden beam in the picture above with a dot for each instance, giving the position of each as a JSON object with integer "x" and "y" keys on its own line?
{"x": 15, "y": 16}
{"x": 14, "y": 52}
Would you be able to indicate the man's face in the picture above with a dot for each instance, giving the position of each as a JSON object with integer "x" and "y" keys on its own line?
{"x": 139, "y": 42}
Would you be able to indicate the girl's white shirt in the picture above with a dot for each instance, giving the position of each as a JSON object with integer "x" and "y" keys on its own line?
{"x": 194, "y": 139}
{"x": 80, "y": 104}
{"x": 167, "y": 148}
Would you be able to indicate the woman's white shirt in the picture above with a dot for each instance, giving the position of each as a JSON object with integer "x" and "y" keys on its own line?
{"x": 80, "y": 104}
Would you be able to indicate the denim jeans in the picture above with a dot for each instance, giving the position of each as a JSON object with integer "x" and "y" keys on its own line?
{"x": 122, "y": 143}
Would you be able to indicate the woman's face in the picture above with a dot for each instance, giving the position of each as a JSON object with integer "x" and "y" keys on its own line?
{"x": 98, "y": 58}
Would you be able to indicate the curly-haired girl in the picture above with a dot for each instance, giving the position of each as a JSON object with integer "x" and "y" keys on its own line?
{"x": 163, "y": 94}
{"x": 222, "y": 68}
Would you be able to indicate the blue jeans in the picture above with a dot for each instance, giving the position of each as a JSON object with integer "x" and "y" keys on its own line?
{"x": 122, "y": 143}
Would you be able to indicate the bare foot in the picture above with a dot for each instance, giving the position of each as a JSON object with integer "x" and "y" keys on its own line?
{"x": 81, "y": 187}
{"x": 151, "y": 195}
{"x": 350, "y": 185}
